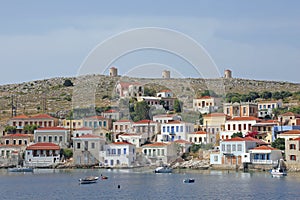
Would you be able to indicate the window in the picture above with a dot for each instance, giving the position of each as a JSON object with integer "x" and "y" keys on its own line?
{"x": 93, "y": 145}
{"x": 20, "y": 142}
{"x": 50, "y": 138}
{"x": 239, "y": 146}
{"x": 233, "y": 127}
{"x": 39, "y": 139}
{"x": 60, "y": 138}
{"x": 245, "y": 126}
{"x": 55, "y": 138}
{"x": 162, "y": 152}
{"x": 233, "y": 147}
{"x": 168, "y": 129}
{"x": 228, "y": 148}
{"x": 78, "y": 145}
{"x": 44, "y": 139}
{"x": 104, "y": 123}
{"x": 216, "y": 158}
{"x": 292, "y": 157}
{"x": 228, "y": 127}
{"x": 223, "y": 147}
{"x": 119, "y": 151}
{"x": 6, "y": 141}
{"x": 124, "y": 151}
{"x": 292, "y": 146}
{"x": 181, "y": 128}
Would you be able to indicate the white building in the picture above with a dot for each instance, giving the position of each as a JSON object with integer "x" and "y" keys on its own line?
{"x": 200, "y": 137}
{"x": 265, "y": 155}
{"x": 238, "y": 124}
{"x": 165, "y": 94}
{"x": 136, "y": 139}
{"x": 122, "y": 126}
{"x": 118, "y": 154}
{"x": 82, "y": 131}
{"x": 42, "y": 155}
{"x": 175, "y": 130}
{"x": 206, "y": 104}
{"x": 56, "y": 135}
{"x": 266, "y": 108}
{"x": 166, "y": 118}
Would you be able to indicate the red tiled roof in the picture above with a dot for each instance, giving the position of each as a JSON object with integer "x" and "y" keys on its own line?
{"x": 42, "y": 116}
{"x": 111, "y": 111}
{"x": 244, "y": 119}
{"x": 124, "y": 120}
{"x": 264, "y": 147}
{"x": 297, "y": 138}
{"x": 88, "y": 136}
{"x": 16, "y": 135}
{"x": 144, "y": 121}
{"x": 21, "y": 117}
{"x": 51, "y": 128}
{"x": 291, "y": 132}
{"x": 156, "y": 144}
{"x": 246, "y": 139}
{"x": 165, "y": 91}
{"x": 182, "y": 141}
{"x": 205, "y": 97}
{"x": 287, "y": 114}
{"x": 199, "y": 132}
{"x": 122, "y": 143}
{"x": 43, "y": 146}
{"x": 174, "y": 122}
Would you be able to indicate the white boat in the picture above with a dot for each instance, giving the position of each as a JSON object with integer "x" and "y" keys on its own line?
{"x": 188, "y": 180}
{"x": 20, "y": 169}
{"x": 88, "y": 180}
{"x": 280, "y": 170}
{"x": 163, "y": 169}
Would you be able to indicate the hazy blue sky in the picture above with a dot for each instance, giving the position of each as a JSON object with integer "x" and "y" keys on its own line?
{"x": 255, "y": 39}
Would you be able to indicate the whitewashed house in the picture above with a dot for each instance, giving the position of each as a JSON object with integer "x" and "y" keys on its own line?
{"x": 118, "y": 154}
{"x": 137, "y": 139}
{"x": 43, "y": 154}
{"x": 56, "y": 135}
{"x": 265, "y": 155}
{"x": 175, "y": 130}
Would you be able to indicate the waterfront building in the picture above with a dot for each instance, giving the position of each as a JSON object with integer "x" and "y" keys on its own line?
{"x": 265, "y": 155}
{"x": 160, "y": 153}
{"x": 86, "y": 149}
{"x": 118, "y": 154}
{"x": 42, "y": 155}
{"x": 57, "y": 135}
{"x": 292, "y": 151}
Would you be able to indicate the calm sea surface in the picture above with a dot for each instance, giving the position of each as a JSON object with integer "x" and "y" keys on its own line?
{"x": 139, "y": 184}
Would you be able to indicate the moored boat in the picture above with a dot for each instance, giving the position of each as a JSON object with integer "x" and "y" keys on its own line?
{"x": 163, "y": 169}
{"x": 88, "y": 180}
{"x": 20, "y": 169}
{"x": 189, "y": 180}
{"x": 280, "y": 170}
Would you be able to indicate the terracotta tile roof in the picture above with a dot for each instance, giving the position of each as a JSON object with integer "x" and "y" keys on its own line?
{"x": 165, "y": 91}
{"x": 124, "y": 120}
{"x": 145, "y": 121}
{"x": 122, "y": 143}
{"x": 264, "y": 147}
{"x": 205, "y": 97}
{"x": 20, "y": 117}
{"x": 199, "y": 132}
{"x": 182, "y": 142}
{"x": 88, "y": 136}
{"x": 42, "y": 116}
{"x": 43, "y": 146}
{"x": 50, "y": 128}
{"x": 111, "y": 111}
{"x": 156, "y": 144}
{"x": 17, "y": 135}
{"x": 174, "y": 122}
{"x": 246, "y": 139}
{"x": 290, "y": 132}
{"x": 287, "y": 114}
{"x": 244, "y": 119}
{"x": 298, "y": 139}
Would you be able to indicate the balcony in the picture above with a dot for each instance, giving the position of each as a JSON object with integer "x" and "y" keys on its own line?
{"x": 264, "y": 162}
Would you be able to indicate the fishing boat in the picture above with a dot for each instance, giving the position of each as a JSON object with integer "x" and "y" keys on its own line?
{"x": 188, "y": 180}
{"x": 88, "y": 180}
{"x": 20, "y": 169}
{"x": 279, "y": 170}
{"x": 163, "y": 169}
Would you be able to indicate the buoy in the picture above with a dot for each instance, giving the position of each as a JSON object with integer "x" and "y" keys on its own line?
{"x": 119, "y": 186}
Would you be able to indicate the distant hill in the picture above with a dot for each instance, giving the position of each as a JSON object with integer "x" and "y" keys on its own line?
{"x": 51, "y": 96}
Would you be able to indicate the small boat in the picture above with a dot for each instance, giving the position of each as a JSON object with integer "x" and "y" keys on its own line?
{"x": 88, "y": 180}
{"x": 104, "y": 177}
{"x": 20, "y": 169}
{"x": 189, "y": 180}
{"x": 280, "y": 170}
{"x": 163, "y": 169}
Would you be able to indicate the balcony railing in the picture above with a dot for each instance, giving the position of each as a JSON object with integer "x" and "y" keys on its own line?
{"x": 269, "y": 162}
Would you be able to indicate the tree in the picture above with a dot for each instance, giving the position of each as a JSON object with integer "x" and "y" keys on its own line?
{"x": 279, "y": 143}
{"x": 200, "y": 119}
{"x": 266, "y": 95}
{"x": 149, "y": 92}
{"x": 140, "y": 111}
{"x": 209, "y": 93}
{"x": 30, "y": 128}
{"x": 68, "y": 153}
{"x": 68, "y": 83}
{"x": 10, "y": 129}
{"x": 237, "y": 134}
{"x": 177, "y": 106}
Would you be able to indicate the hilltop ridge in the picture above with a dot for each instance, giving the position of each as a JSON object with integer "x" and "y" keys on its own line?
{"x": 51, "y": 96}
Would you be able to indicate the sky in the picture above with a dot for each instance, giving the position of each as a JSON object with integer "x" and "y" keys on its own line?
{"x": 46, "y": 39}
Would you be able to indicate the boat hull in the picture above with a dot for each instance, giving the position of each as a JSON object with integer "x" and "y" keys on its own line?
{"x": 88, "y": 180}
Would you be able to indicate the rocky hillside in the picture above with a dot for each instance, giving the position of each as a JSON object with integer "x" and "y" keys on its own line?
{"x": 52, "y": 96}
